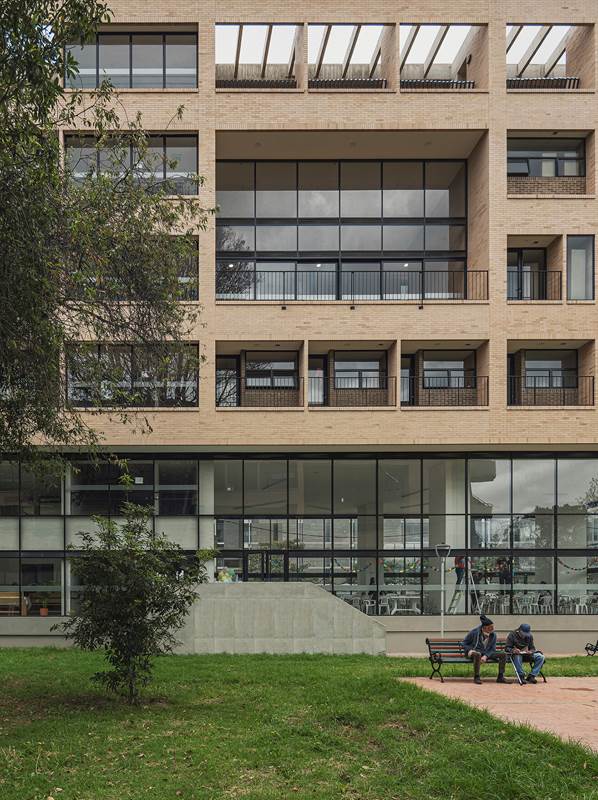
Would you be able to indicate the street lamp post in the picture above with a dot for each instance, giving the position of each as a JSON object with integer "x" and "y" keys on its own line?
{"x": 443, "y": 551}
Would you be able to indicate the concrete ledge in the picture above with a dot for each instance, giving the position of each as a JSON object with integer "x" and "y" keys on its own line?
{"x": 556, "y": 634}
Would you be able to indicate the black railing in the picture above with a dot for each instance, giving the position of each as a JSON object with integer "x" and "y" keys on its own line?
{"x": 554, "y": 388}
{"x": 433, "y": 389}
{"x": 543, "y": 83}
{"x": 358, "y": 390}
{"x": 534, "y": 285}
{"x": 352, "y": 285}
{"x": 436, "y": 83}
{"x": 346, "y": 83}
{"x": 256, "y": 83}
{"x": 273, "y": 392}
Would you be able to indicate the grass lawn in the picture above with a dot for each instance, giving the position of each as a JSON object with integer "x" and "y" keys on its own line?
{"x": 270, "y": 727}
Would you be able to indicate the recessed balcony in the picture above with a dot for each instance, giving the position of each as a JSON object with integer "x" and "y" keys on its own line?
{"x": 342, "y": 376}
{"x": 442, "y": 374}
{"x": 550, "y": 373}
{"x": 550, "y": 57}
{"x": 350, "y": 282}
{"x": 548, "y": 165}
{"x": 350, "y": 56}
{"x": 261, "y": 377}
{"x": 443, "y": 57}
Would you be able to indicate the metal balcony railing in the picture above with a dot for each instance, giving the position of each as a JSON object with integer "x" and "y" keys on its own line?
{"x": 534, "y": 285}
{"x": 466, "y": 389}
{"x": 259, "y": 392}
{"x": 436, "y": 83}
{"x": 547, "y": 82}
{"x": 551, "y": 389}
{"x": 361, "y": 390}
{"x": 352, "y": 285}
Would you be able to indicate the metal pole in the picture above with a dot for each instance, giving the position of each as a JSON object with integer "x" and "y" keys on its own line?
{"x": 443, "y": 562}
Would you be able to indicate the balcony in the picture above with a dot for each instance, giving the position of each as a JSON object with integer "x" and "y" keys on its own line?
{"x": 555, "y": 165}
{"x": 435, "y": 389}
{"x": 558, "y": 388}
{"x": 233, "y": 392}
{"x": 346, "y": 56}
{"x": 549, "y": 57}
{"x": 534, "y": 285}
{"x": 352, "y": 391}
{"x": 239, "y": 281}
{"x": 257, "y": 56}
{"x": 443, "y": 57}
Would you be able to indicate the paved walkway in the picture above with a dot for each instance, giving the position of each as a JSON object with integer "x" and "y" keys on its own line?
{"x": 567, "y": 707}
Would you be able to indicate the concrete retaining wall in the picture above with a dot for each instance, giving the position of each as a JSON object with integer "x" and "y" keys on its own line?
{"x": 562, "y": 635}
{"x": 278, "y": 618}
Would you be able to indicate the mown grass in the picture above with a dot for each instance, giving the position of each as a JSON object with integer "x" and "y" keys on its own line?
{"x": 265, "y": 727}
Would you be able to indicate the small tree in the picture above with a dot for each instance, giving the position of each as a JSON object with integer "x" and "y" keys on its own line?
{"x": 137, "y": 589}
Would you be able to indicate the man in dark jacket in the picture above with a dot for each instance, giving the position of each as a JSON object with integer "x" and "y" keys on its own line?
{"x": 480, "y": 646}
{"x": 520, "y": 646}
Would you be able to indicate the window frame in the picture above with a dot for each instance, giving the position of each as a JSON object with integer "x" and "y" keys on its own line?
{"x": 71, "y": 86}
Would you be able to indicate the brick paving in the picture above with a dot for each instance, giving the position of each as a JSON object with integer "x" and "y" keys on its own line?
{"x": 566, "y": 707}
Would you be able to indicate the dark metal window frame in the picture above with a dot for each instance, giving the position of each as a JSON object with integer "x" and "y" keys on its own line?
{"x": 592, "y": 238}
{"x": 130, "y": 35}
{"x": 327, "y": 553}
{"x": 192, "y": 137}
{"x": 557, "y": 160}
{"x": 99, "y": 347}
{"x": 338, "y": 221}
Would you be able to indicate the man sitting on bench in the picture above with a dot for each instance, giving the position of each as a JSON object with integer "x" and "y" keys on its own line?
{"x": 480, "y": 646}
{"x": 520, "y": 645}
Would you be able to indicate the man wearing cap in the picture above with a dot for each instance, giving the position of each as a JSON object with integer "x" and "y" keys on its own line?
{"x": 480, "y": 646}
{"x": 520, "y": 646}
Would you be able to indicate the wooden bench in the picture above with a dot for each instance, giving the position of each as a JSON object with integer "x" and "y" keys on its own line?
{"x": 450, "y": 651}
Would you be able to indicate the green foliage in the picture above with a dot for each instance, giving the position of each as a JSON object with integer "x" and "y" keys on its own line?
{"x": 260, "y": 727}
{"x": 92, "y": 259}
{"x": 138, "y": 589}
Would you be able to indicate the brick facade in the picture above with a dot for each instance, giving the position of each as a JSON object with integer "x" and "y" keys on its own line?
{"x": 394, "y": 124}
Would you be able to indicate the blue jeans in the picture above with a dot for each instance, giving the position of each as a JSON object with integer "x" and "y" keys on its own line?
{"x": 537, "y": 660}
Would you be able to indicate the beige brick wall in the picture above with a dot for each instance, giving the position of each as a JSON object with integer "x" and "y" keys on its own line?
{"x": 488, "y": 113}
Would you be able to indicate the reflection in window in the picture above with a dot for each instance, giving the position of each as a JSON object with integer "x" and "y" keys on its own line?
{"x": 545, "y": 158}
{"x": 168, "y": 161}
{"x": 118, "y": 375}
{"x": 138, "y": 61}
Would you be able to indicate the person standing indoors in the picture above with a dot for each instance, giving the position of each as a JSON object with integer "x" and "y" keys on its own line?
{"x": 520, "y": 646}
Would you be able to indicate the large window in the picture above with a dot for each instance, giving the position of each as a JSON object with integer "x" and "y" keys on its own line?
{"x": 580, "y": 267}
{"x": 170, "y": 160}
{"x": 136, "y": 61}
{"x": 373, "y": 222}
{"x": 546, "y": 158}
{"x": 523, "y": 530}
{"x": 120, "y": 375}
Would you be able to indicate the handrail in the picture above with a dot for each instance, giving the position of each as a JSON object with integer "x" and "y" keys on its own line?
{"x": 352, "y": 285}
{"x": 563, "y": 388}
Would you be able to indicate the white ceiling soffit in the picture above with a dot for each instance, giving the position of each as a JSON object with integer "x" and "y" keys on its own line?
{"x": 432, "y": 44}
{"x": 536, "y": 45}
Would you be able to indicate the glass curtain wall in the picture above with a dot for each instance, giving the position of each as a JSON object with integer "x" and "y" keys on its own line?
{"x": 523, "y": 530}
{"x": 341, "y": 229}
